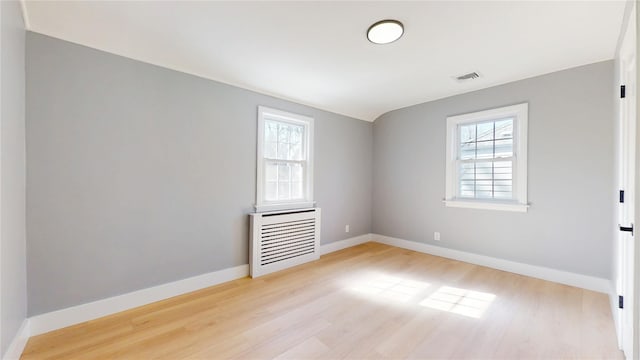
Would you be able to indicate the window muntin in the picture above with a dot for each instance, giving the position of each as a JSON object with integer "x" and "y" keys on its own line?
{"x": 487, "y": 159}
{"x": 285, "y": 166}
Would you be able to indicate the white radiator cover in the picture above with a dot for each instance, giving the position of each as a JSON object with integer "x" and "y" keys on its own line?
{"x": 283, "y": 239}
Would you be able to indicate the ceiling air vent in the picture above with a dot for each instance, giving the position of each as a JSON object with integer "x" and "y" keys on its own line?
{"x": 469, "y": 76}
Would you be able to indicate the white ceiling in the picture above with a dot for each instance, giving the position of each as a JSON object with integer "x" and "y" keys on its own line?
{"x": 317, "y": 53}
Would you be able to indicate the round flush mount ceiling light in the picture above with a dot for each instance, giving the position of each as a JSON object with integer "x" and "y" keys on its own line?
{"x": 385, "y": 31}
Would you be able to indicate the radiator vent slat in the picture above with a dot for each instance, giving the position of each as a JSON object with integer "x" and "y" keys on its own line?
{"x": 282, "y": 243}
{"x": 288, "y": 245}
{"x": 280, "y": 237}
{"x": 294, "y": 228}
{"x": 289, "y": 223}
{"x": 289, "y": 232}
{"x": 286, "y": 254}
{"x": 286, "y": 258}
{"x": 282, "y": 240}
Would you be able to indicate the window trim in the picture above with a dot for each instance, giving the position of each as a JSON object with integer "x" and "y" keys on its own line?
{"x": 262, "y": 205}
{"x": 519, "y": 204}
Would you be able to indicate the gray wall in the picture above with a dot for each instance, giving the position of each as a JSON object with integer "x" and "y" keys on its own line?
{"x": 568, "y": 226}
{"x": 13, "y": 286}
{"x": 138, "y": 175}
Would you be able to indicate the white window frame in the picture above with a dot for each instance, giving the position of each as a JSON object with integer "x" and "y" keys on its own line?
{"x": 262, "y": 205}
{"x": 519, "y": 203}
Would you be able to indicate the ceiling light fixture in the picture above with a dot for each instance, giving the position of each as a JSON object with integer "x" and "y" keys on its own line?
{"x": 385, "y": 31}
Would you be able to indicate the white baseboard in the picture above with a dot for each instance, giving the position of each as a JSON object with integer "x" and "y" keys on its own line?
{"x": 14, "y": 351}
{"x": 43, "y": 323}
{"x": 539, "y": 272}
{"x": 343, "y": 244}
{"x": 54, "y": 320}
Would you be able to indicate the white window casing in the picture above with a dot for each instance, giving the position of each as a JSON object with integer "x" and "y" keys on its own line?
{"x": 478, "y": 175}
{"x": 284, "y": 161}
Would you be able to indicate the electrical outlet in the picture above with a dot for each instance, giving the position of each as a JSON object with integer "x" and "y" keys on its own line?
{"x": 436, "y": 236}
{"x": 346, "y": 228}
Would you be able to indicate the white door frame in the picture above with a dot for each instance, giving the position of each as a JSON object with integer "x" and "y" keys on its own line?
{"x": 633, "y": 30}
{"x": 627, "y": 253}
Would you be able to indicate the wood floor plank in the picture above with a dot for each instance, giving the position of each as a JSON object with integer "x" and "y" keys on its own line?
{"x": 312, "y": 348}
{"x": 371, "y": 301}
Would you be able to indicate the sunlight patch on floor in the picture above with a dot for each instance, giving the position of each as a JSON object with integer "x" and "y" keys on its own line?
{"x": 459, "y": 301}
{"x": 389, "y": 287}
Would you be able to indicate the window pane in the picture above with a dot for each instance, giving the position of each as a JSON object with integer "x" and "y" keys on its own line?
{"x": 283, "y": 133}
{"x": 295, "y": 152}
{"x": 468, "y": 151}
{"x": 468, "y": 186}
{"x": 467, "y": 193}
{"x": 270, "y": 131}
{"x": 283, "y": 172}
{"x": 271, "y": 172}
{"x": 502, "y": 188}
{"x": 503, "y": 195}
{"x": 504, "y": 129}
{"x": 296, "y": 172}
{"x": 270, "y": 149}
{"x": 467, "y": 133}
{"x": 485, "y": 131}
{"x": 485, "y": 150}
{"x": 485, "y": 179}
{"x": 502, "y": 185}
{"x": 503, "y": 148}
{"x": 503, "y": 166}
{"x": 296, "y": 190}
{"x": 283, "y": 191}
{"x": 271, "y": 191}
{"x": 484, "y": 185}
{"x": 484, "y": 171}
{"x": 283, "y": 151}
{"x": 467, "y": 173}
{"x": 296, "y": 135}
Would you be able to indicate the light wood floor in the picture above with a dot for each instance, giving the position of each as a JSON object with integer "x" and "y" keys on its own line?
{"x": 369, "y": 302}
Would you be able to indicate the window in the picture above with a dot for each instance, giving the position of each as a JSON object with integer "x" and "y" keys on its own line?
{"x": 285, "y": 160}
{"x": 487, "y": 159}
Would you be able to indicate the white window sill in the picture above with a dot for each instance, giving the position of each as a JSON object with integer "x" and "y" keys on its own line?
{"x": 501, "y": 206}
{"x": 284, "y": 206}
